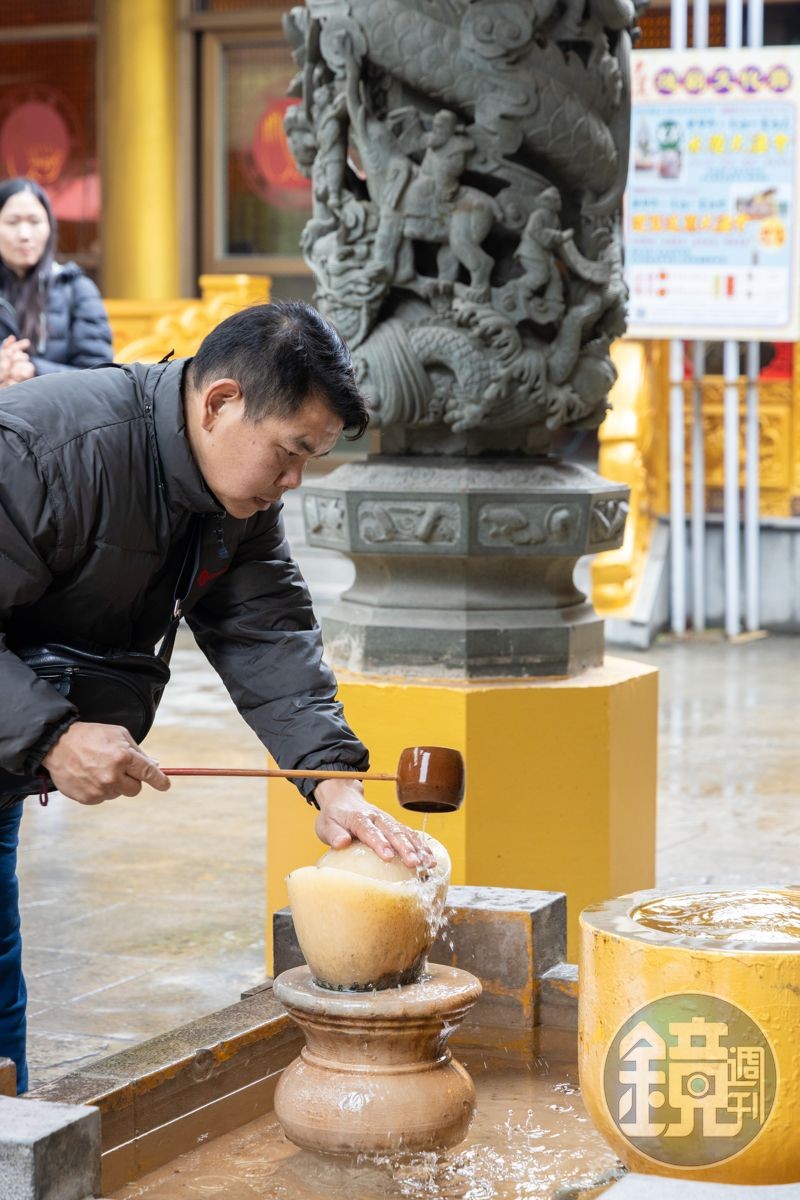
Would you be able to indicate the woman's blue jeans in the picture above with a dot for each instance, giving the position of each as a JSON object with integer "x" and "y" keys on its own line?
{"x": 13, "y": 995}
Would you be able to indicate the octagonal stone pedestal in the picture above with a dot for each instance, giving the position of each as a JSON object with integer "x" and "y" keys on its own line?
{"x": 464, "y": 566}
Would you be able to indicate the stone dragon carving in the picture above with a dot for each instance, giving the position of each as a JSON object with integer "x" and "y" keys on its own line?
{"x": 467, "y": 160}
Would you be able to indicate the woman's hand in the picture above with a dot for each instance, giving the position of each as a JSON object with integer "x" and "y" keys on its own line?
{"x": 345, "y": 817}
{"x": 15, "y": 362}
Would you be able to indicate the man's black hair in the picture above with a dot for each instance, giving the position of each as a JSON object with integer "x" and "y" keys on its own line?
{"x": 282, "y": 354}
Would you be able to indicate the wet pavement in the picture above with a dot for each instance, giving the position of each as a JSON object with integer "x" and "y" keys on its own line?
{"x": 145, "y": 912}
{"x": 142, "y": 914}
{"x": 530, "y": 1129}
{"x": 729, "y": 761}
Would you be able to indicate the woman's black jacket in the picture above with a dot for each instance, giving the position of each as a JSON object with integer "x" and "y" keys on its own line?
{"x": 77, "y": 331}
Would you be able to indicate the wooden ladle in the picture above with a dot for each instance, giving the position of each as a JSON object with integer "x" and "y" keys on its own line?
{"x": 429, "y": 778}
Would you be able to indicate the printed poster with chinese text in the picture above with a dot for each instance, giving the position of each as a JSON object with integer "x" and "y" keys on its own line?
{"x": 710, "y": 220}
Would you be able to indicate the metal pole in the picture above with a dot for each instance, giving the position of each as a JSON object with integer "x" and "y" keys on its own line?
{"x": 755, "y": 37}
{"x": 733, "y": 24}
{"x": 679, "y": 13}
{"x": 755, "y": 22}
{"x": 677, "y": 488}
{"x": 751, "y": 492}
{"x": 698, "y": 490}
{"x": 731, "y": 488}
{"x": 700, "y": 40}
{"x": 733, "y": 41}
{"x": 700, "y": 24}
{"x": 679, "y": 24}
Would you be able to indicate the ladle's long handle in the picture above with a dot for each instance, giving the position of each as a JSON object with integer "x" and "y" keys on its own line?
{"x": 238, "y": 772}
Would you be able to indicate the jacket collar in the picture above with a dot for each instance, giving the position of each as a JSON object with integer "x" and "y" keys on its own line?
{"x": 181, "y": 478}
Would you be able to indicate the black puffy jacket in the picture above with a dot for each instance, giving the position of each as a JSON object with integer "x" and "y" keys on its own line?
{"x": 78, "y": 333}
{"x": 98, "y": 486}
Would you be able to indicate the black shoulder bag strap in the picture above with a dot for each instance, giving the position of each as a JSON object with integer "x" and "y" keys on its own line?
{"x": 186, "y": 578}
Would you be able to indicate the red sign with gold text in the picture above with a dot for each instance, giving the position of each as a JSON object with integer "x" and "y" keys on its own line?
{"x": 35, "y": 135}
{"x": 269, "y": 163}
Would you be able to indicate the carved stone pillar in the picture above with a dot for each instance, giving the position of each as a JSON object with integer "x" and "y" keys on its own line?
{"x": 467, "y": 159}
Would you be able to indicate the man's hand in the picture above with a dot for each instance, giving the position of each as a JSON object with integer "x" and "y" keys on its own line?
{"x": 15, "y": 363}
{"x": 345, "y": 816}
{"x": 92, "y": 763}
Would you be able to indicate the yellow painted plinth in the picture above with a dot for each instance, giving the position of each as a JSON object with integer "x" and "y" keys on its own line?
{"x": 561, "y": 781}
{"x": 688, "y": 1048}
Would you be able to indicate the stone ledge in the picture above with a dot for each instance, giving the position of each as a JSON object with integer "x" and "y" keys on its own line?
{"x": 156, "y": 1098}
{"x": 558, "y": 997}
{"x": 48, "y": 1151}
{"x": 264, "y": 986}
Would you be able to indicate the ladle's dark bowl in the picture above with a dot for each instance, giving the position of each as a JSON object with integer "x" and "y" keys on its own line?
{"x": 430, "y": 779}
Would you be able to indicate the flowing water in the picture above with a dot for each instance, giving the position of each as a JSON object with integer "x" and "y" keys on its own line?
{"x": 530, "y": 1138}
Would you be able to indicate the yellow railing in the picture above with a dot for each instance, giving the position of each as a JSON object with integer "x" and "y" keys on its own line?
{"x": 779, "y": 440}
{"x": 634, "y": 449}
{"x": 146, "y": 330}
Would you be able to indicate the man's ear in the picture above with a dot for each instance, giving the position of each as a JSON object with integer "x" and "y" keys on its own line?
{"x": 215, "y": 397}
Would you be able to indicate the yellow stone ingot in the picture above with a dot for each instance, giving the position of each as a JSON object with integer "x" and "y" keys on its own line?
{"x": 365, "y": 923}
{"x": 688, "y": 1015}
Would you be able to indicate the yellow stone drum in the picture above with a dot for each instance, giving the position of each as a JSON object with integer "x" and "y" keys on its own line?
{"x": 689, "y": 1032}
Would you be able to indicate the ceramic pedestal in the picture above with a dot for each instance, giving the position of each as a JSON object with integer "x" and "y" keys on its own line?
{"x": 376, "y": 1075}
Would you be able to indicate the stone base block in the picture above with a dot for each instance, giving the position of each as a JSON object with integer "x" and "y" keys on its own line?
{"x": 561, "y": 781}
{"x": 496, "y": 642}
{"x": 464, "y": 563}
{"x": 48, "y": 1151}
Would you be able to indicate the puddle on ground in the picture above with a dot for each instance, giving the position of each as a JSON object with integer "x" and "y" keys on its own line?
{"x": 530, "y": 1138}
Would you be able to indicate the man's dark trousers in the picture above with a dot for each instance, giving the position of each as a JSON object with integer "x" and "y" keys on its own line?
{"x": 13, "y": 995}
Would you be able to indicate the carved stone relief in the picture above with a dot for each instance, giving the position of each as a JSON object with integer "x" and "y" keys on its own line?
{"x": 409, "y": 522}
{"x": 325, "y": 517}
{"x": 607, "y": 521}
{"x": 467, "y": 160}
{"x": 528, "y": 524}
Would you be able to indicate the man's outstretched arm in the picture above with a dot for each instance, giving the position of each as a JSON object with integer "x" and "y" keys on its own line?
{"x": 258, "y": 630}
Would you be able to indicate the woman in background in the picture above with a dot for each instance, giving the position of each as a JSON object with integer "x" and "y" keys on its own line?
{"x": 52, "y": 317}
